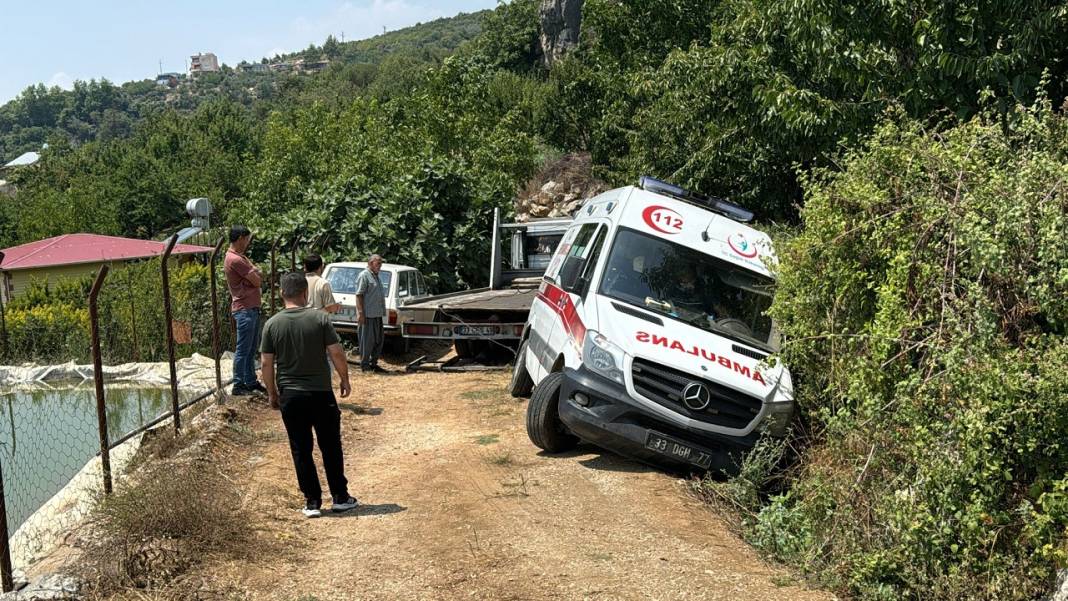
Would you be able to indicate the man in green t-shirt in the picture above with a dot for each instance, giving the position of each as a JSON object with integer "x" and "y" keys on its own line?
{"x": 294, "y": 341}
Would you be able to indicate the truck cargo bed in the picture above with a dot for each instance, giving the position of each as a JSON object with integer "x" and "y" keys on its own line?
{"x": 482, "y": 299}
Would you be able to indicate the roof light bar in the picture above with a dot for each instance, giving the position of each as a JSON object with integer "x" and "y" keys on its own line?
{"x": 723, "y": 207}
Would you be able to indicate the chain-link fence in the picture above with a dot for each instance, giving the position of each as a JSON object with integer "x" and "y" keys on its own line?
{"x": 86, "y": 365}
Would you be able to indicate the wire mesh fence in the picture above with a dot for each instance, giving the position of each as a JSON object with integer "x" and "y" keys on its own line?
{"x": 59, "y": 430}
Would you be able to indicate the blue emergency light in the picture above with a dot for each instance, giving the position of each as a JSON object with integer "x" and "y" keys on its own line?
{"x": 723, "y": 207}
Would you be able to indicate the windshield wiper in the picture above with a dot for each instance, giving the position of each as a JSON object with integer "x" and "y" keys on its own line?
{"x": 705, "y": 324}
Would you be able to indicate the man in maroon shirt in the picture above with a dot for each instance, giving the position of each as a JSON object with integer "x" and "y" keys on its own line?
{"x": 244, "y": 280}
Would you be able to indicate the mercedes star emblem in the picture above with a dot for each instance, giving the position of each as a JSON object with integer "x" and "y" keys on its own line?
{"x": 696, "y": 396}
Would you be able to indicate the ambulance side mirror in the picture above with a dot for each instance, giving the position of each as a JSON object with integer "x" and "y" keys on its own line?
{"x": 571, "y": 274}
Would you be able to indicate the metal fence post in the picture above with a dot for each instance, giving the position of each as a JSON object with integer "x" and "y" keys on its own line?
{"x": 3, "y": 323}
{"x": 274, "y": 271}
{"x": 7, "y": 580}
{"x": 215, "y": 343}
{"x": 133, "y": 316}
{"x": 98, "y": 378}
{"x": 175, "y": 410}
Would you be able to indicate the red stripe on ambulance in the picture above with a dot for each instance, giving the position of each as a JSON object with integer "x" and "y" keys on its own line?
{"x": 561, "y": 303}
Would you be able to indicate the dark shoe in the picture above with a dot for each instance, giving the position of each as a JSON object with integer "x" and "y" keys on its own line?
{"x": 241, "y": 390}
{"x": 313, "y": 508}
{"x": 257, "y": 387}
{"x": 342, "y": 505}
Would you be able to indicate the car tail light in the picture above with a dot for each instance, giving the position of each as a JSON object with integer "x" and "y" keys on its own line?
{"x": 420, "y": 330}
{"x": 392, "y": 317}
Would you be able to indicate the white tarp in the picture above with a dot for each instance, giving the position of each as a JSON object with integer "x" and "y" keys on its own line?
{"x": 193, "y": 371}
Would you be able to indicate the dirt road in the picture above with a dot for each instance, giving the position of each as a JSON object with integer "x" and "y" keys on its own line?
{"x": 459, "y": 505}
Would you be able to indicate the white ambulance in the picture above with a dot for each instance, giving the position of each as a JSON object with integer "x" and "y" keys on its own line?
{"x": 649, "y": 333}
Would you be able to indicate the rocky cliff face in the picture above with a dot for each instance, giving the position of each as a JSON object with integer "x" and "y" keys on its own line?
{"x": 560, "y": 21}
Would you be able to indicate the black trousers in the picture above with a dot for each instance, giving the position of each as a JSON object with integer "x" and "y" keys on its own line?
{"x": 302, "y": 413}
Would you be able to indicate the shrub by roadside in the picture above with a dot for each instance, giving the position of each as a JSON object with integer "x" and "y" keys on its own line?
{"x": 925, "y": 307}
{"x": 49, "y": 323}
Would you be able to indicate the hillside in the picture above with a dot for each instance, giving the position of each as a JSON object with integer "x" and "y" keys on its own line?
{"x": 104, "y": 110}
{"x": 909, "y": 159}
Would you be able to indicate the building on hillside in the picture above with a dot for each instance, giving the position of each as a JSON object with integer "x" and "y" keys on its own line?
{"x": 254, "y": 68}
{"x": 205, "y": 62}
{"x": 167, "y": 80}
{"x": 25, "y": 159}
{"x": 281, "y": 67}
{"x": 315, "y": 66}
{"x": 76, "y": 255}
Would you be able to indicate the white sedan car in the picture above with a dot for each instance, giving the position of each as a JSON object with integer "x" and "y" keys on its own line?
{"x": 400, "y": 283}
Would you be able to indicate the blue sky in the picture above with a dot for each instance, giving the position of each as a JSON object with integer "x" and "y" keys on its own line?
{"x": 58, "y": 41}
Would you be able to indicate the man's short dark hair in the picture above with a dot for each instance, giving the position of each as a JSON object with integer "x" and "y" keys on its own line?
{"x": 312, "y": 263}
{"x": 293, "y": 285}
{"x": 237, "y": 232}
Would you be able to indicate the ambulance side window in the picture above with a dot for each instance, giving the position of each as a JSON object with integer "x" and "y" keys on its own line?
{"x": 595, "y": 254}
{"x": 562, "y": 251}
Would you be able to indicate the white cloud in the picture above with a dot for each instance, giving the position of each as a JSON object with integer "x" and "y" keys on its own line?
{"x": 61, "y": 80}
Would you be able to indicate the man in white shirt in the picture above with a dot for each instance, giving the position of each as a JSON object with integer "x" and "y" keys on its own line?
{"x": 320, "y": 293}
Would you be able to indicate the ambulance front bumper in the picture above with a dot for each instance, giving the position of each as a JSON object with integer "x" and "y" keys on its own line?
{"x": 602, "y": 412}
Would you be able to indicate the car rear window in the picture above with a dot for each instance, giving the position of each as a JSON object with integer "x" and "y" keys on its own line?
{"x": 343, "y": 279}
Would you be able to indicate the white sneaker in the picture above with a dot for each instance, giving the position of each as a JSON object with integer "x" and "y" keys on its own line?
{"x": 313, "y": 509}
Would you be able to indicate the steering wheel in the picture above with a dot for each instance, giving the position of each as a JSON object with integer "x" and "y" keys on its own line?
{"x": 733, "y": 324}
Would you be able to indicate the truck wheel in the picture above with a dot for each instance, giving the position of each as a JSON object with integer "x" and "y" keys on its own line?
{"x": 543, "y": 417}
{"x": 399, "y": 345}
{"x": 521, "y": 383}
{"x": 463, "y": 348}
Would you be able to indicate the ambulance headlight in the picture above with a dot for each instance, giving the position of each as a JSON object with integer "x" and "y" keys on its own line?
{"x": 603, "y": 357}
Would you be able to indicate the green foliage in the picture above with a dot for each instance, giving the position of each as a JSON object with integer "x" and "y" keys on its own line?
{"x": 45, "y": 332}
{"x": 924, "y": 304}
{"x": 137, "y": 186}
{"x": 729, "y": 97}
{"x": 415, "y": 178}
{"x": 509, "y": 38}
{"x": 49, "y": 323}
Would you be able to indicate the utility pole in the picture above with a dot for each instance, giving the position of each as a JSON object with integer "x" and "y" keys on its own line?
{"x": 342, "y": 37}
{"x": 161, "y": 66}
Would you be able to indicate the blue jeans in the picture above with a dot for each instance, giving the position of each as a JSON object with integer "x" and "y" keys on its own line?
{"x": 248, "y": 341}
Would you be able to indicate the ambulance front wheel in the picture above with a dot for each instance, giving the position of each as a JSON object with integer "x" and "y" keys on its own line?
{"x": 544, "y": 427}
{"x": 521, "y": 383}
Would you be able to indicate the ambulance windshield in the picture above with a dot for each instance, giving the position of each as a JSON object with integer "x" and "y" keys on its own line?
{"x": 689, "y": 286}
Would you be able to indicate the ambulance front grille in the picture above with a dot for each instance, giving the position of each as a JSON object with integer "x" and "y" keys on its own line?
{"x": 664, "y": 386}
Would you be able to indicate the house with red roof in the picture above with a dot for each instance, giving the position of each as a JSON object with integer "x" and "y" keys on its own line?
{"x": 75, "y": 256}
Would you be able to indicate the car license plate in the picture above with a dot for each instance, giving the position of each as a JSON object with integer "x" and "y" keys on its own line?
{"x": 346, "y": 312}
{"x": 676, "y": 449}
{"x": 476, "y": 330}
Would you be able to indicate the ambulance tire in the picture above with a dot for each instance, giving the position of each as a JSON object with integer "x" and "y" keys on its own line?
{"x": 521, "y": 384}
{"x": 544, "y": 427}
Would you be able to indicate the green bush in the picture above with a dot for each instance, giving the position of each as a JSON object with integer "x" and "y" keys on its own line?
{"x": 49, "y": 323}
{"x": 925, "y": 307}
{"x": 51, "y": 333}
